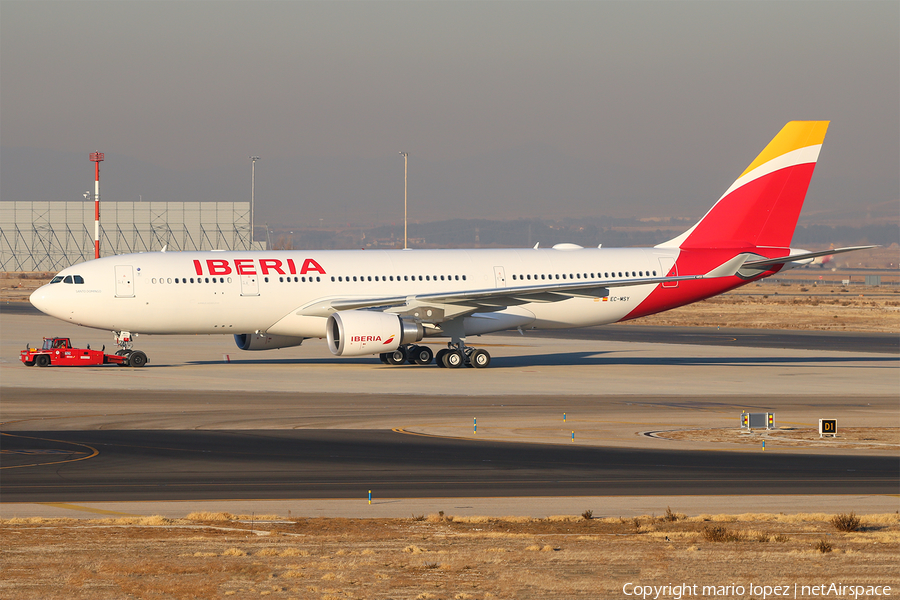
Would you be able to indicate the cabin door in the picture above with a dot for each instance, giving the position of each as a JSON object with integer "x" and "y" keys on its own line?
{"x": 499, "y": 277}
{"x": 124, "y": 281}
{"x": 249, "y": 285}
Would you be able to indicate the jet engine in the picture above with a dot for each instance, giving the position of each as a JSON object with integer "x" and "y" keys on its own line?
{"x": 359, "y": 332}
{"x": 262, "y": 341}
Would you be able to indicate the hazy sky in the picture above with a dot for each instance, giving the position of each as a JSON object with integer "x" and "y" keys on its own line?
{"x": 508, "y": 109}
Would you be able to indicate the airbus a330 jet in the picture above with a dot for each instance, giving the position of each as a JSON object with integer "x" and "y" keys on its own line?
{"x": 389, "y": 302}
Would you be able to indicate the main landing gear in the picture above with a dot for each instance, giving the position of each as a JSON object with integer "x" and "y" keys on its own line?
{"x": 453, "y": 356}
{"x": 133, "y": 358}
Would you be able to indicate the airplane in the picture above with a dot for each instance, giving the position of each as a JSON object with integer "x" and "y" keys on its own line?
{"x": 386, "y": 302}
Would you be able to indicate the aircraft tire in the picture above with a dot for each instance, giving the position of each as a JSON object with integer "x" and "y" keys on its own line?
{"x": 397, "y": 357}
{"x": 411, "y": 352}
{"x": 480, "y": 359}
{"x": 137, "y": 359}
{"x": 439, "y": 358}
{"x": 383, "y": 357}
{"x": 454, "y": 359}
{"x": 422, "y": 355}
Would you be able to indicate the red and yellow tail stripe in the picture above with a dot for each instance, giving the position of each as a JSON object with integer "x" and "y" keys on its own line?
{"x": 762, "y": 206}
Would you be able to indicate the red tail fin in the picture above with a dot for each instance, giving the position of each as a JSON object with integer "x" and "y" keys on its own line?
{"x": 761, "y": 208}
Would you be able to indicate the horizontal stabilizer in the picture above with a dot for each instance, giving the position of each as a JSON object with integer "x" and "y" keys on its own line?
{"x": 804, "y": 256}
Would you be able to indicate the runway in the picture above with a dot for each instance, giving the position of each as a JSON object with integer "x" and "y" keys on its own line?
{"x": 90, "y": 466}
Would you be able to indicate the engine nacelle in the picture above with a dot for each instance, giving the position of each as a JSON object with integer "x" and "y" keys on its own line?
{"x": 359, "y": 332}
{"x": 262, "y": 341}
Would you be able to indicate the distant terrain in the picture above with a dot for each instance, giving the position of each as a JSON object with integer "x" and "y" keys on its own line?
{"x": 590, "y": 232}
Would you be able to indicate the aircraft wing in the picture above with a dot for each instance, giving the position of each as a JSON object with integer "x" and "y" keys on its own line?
{"x": 492, "y": 299}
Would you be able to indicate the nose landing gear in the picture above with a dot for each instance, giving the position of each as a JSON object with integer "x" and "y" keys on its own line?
{"x": 133, "y": 358}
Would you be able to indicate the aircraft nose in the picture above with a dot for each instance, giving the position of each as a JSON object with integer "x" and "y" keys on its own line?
{"x": 41, "y": 300}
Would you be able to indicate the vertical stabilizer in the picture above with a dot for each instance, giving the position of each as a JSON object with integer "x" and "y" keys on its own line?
{"x": 761, "y": 208}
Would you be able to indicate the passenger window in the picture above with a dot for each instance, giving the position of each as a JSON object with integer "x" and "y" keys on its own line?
{"x": 229, "y": 280}
{"x": 207, "y": 280}
{"x": 281, "y": 279}
{"x": 154, "y": 280}
{"x": 170, "y": 280}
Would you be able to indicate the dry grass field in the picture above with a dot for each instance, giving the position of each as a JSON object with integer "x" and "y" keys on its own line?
{"x": 216, "y": 555}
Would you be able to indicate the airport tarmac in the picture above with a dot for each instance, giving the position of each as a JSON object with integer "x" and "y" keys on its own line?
{"x": 607, "y": 394}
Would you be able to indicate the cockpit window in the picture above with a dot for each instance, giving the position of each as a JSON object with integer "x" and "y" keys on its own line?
{"x": 78, "y": 278}
{"x": 68, "y": 279}
{"x": 56, "y": 279}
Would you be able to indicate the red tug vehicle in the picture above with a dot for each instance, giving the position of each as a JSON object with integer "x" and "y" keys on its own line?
{"x": 58, "y": 351}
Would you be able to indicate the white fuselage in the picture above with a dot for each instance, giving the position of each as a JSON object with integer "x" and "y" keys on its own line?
{"x": 245, "y": 292}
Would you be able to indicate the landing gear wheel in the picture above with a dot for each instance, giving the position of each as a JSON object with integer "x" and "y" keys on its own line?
{"x": 384, "y": 357}
{"x": 411, "y": 351}
{"x": 42, "y": 360}
{"x": 137, "y": 359}
{"x": 439, "y": 358}
{"x": 454, "y": 359}
{"x": 480, "y": 359}
{"x": 421, "y": 355}
{"x": 397, "y": 357}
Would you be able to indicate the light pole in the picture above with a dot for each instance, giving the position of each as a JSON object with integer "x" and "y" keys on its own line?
{"x": 97, "y": 158}
{"x": 252, "y": 195}
{"x": 405, "y": 163}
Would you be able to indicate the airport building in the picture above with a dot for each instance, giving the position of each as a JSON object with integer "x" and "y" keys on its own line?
{"x": 49, "y": 236}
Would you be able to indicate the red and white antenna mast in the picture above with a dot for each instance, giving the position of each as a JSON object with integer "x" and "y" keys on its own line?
{"x": 97, "y": 158}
